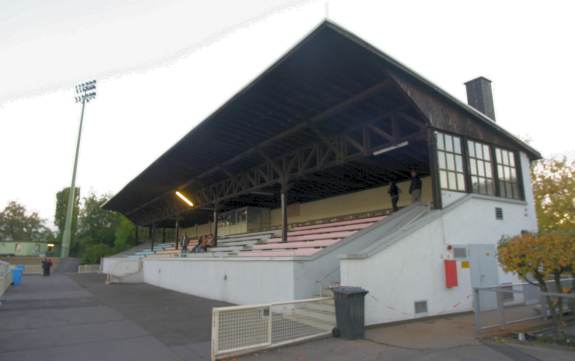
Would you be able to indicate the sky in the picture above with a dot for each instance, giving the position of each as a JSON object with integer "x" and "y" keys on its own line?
{"x": 164, "y": 66}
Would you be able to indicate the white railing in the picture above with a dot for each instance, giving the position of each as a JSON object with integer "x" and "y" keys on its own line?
{"x": 507, "y": 304}
{"x": 238, "y": 330}
{"x": 89, "y": 268}
{"x": 5, "y": 277}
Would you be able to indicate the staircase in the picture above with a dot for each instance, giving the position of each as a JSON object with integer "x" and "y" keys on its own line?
{"x": 319, "y": 315}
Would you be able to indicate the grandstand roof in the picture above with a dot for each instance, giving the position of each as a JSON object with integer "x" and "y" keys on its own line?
{"x": 329, "y": 82}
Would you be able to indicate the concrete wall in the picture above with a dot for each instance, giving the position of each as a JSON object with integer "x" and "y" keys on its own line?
{"x": 238, "y": 281}
{"x": 123, "y": 270}
{"x": 411, "y": 269}
{"x": 23, "y": 248}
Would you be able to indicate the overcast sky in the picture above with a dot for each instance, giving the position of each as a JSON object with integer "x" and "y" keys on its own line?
{"x": 163, "y": 66}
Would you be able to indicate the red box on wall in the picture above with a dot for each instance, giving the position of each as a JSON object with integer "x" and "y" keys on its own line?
{"x": 450, "y": 267}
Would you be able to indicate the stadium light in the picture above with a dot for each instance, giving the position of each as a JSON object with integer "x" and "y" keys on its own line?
{"x": 85, "y": 92}
{"x": 185, "y": 199}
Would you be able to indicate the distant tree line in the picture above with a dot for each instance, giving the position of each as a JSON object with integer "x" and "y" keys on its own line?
{"x": 95, "y": 232}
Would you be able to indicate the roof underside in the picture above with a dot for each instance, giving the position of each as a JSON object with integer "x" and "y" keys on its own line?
{"x": 311, "y": 82}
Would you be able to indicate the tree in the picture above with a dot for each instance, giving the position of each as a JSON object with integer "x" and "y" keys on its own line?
{"x": 554, "y": 191}
{"x": 95, "y": 224}
{"x": 60, "y": 215}
{"x": 101, "y": 232}
{"x": 125, "y": 235}
{"x": 539, "y": 258}
{"x": 17, "y": 224}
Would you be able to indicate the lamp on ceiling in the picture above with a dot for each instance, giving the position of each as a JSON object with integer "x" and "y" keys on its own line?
{"x": 185, "y": 199}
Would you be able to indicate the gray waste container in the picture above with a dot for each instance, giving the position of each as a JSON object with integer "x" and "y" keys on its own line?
{"x": 349, "y": 312}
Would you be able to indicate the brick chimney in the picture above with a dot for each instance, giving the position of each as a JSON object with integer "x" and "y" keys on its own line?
{"x": 480, "y": 97}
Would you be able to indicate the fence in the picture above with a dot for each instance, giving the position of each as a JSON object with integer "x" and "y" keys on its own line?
{"x": 89, "y": 268}
{"x": 242, "y": 329}
{"x": 5, "y": 277}
{"x": 33, "y": 269}
{"x": 502, "y": 305}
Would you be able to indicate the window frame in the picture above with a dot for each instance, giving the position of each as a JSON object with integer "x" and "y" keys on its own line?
{"x": 502, "y": 179}
{"x": 451, "y": 162}
{"x": 486, "y": 159}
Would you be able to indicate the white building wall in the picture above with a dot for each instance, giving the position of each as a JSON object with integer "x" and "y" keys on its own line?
{"x": 411, "y": 269}
{"x": 126, "y": 270}
{"x": 235, "y": 281}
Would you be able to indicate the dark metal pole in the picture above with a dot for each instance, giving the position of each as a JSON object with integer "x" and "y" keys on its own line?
{"x": 283, "y": 196}
{"x": 434, "y": 169}
{"x": 137, "y": 234}
{"x": 215, "y": 229}
{"x": 177, "y": 234}
{"x": 153, "y": 233}
{"x": 164, "y": 235}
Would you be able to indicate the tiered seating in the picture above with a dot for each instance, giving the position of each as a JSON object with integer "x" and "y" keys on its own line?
{"x": 308, "y": 240}
{"x": 161, "y": 248}
{"x": 237, "y": 243}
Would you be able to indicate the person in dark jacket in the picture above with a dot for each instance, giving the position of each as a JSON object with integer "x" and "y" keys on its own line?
{"x": 394, "y": 195}
{"x": 415, "y": 187}
{"x": 46, "y": 265}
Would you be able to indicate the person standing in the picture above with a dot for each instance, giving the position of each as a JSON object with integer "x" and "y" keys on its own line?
{"x": 46, "y": 265}
{"x": 394, "y": 195}
{"x": 415, "y": 187}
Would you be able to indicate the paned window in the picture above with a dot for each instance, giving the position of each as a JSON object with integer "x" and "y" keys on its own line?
{"x": 480, "y": 168}
{"x": 507, "y": 174}
{"x": 450, "y": 162}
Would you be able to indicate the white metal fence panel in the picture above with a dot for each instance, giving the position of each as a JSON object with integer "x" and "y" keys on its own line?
{"x": 242, "y": 329}
{"x": 5, "y": 277}
{"x": 89, "y": 268}
{"x": 515, "y": 303}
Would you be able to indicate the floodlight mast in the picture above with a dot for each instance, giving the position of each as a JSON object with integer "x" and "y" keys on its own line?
{"x": 85, "y": 92}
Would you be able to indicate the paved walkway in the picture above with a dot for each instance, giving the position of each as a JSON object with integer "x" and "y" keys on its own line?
{"x": 78, "y": 317}
{"x": 449, "y": 338}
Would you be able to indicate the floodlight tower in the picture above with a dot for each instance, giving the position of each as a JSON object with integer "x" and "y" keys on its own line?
{"x": 85, "y": 92}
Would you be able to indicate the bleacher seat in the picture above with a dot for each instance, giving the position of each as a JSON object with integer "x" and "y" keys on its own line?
{"x": 303, "y": 240}
{"x": 308, "y": 240}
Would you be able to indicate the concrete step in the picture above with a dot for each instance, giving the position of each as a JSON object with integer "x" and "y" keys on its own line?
{"x": 312, "y": 322}
{"x": 325, "y": 292}
{"x": 326, "y": 307}
{"x": 322, "y": 316}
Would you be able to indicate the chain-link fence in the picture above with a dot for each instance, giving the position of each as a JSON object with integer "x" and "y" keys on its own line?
{"x": 242, "y": 329}
{"x": 519, "y": 303}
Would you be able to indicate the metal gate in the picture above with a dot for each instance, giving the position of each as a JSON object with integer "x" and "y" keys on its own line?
{"x": 242, "y": 329}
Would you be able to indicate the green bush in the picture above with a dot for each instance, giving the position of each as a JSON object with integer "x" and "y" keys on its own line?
{"x": 94, "y": 252}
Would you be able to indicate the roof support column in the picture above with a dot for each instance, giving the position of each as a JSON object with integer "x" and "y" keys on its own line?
{"x": 283, "y": 196}
{"x": 434, "y": 169}
{"x": 152, "y": 234}
{"x": 215, "y": 225}
{"x": 177, "y": 234}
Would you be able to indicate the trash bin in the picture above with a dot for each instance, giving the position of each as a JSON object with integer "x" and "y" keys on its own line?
{"x": 16, "y": 275}
{"x": 349, "y": 312}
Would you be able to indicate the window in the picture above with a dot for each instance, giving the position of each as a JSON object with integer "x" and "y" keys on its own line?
{"x": 480, "y": 168}
{"x": 450, "y": 161}
{"x": 507, "y": 174}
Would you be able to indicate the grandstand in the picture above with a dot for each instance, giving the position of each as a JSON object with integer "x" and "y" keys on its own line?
{"x": 290, "y": 176}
